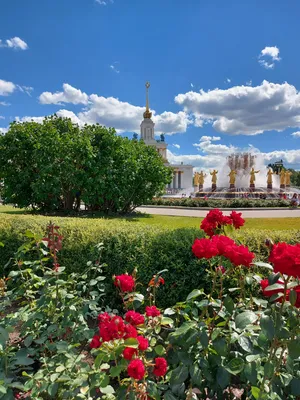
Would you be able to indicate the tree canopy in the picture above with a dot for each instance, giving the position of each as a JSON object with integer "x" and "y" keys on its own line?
{"x": 57, "y": 164}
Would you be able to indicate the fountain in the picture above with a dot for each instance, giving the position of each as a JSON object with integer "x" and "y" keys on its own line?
{"x": 243, "y": 175}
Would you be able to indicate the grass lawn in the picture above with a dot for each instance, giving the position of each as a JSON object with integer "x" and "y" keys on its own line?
{"x": 188, "y": 222}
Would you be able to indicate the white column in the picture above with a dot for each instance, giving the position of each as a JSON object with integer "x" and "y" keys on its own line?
{"x": 174, "y": 180}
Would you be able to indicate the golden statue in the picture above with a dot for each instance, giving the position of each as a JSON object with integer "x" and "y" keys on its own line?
{"x": 252, "y": 176}
{"x": 196, "y": 178}
{"x": 270, "y": 177}
{"x": 288, "y": 177}
{"x": 282, "y": 177}
{"x": 201, "y": 178}
{"x": 232, "y": 175}
{"x": 214, "y": 177}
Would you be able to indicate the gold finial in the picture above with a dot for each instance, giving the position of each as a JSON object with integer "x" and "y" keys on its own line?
{"x": 147, "y": 113}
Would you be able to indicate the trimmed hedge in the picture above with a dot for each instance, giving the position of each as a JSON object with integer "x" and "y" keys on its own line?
{"x": 219, "y": 203}
{"x": 129, "y": 245}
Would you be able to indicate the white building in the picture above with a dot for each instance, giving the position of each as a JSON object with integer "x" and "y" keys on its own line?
{"x": 182, "y": 174}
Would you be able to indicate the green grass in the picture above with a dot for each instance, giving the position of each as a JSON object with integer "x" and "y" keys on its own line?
{"x": 185, "y": 222}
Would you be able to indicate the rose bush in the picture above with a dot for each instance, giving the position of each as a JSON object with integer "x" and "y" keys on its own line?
{"x": 222, "y": 342}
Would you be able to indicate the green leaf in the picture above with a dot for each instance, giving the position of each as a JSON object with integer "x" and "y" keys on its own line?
{"x": 245, "y": 344}
{"x": 179, "y": 375}
{"x": 235, "y": 366}
{"x": 292, "y": 285}
{"x": 244, "y": 319}
{"x": 194, "y": 294}
{"x": 255, "y": 391}
{"x": 195, "y": 374}
{"x": 250, "y": 372}
{"x": 169, "y": 311}
{"x": 294, "y": 348}
{"x": 204, "y": 340}
{"x": 269, "y": 369}
{"x": 223, "y": 377}
{"x": 275, "y": 286}
{"x": 131, "y": 342}
{"x": 115, "y": 371}
{"x": 267, "y": 326}
{"x": 167, "y": 321}
{"x": 2, "y": 389}
{"x": 295, "y": 387}
{"x": 229, "y": 304}
{"x": 28, "y": 340}
{"x": 107, "y": 390}
{"x": 21, "y": 358}
{"x": 264, "y": 265}
{"x": 4, "y": 335}
{"x": 52, "y": 389}
{"x": 60, "y": 368}
{"x": 169, "y": 396}
{"x": 159, "y": 349}
{"x": 220, "y": 345}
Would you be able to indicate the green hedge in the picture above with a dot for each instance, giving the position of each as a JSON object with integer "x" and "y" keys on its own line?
{"x": 129, "y": 245}
{"x": 219, "y": 203}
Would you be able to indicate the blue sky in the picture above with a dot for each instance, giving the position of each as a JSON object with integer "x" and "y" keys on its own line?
{"x": 224, "y": 75}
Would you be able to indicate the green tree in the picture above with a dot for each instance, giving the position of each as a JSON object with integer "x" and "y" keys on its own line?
{"x": 56, "y": 164}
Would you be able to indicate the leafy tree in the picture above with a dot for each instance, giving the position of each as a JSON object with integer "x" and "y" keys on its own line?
{"x": 53, "y": 165}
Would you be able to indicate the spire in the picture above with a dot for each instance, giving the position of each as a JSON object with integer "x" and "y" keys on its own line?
{"x": 147, "y": 113}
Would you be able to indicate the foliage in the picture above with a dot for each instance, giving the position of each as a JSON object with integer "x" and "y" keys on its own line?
{"x": 56, "y": 164}
{"x": 221, "y": 342}
{"x": 219, "y": 203}
{"x": 129, "y": 245}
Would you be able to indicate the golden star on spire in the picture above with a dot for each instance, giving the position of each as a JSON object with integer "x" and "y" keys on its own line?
{"x": 147, "y": 113}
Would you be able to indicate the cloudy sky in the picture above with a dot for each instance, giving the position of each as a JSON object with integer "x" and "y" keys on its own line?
{"x": 224, "y": 75}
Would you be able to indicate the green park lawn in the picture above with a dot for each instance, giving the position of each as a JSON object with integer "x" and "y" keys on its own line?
{"x": 190, "y": 222}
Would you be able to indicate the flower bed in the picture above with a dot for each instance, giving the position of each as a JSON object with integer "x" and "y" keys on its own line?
{"x": 61, "y": 339}
{"x": 219, "y": 203}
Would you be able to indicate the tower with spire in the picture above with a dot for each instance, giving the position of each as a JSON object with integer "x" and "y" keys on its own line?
{"x": 147, "y": 130}
{"x": 182, "y": 174}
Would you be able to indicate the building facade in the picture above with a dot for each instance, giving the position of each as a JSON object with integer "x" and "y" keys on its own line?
{"x": 182, "y": 173}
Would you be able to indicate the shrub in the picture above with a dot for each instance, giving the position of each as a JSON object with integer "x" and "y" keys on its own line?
{"x": 219, "y": 203}
{"x": 129, "y": 245}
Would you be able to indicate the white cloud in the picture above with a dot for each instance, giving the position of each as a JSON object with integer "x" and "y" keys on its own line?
{"x": 268, "y": 56}
{"x": 296, "y": 134}
{"x": 3, "y": 130}
{"x": 30, "y": 119}
{"x": 114, "y": 68}
{"x": 192, "y": 85}
{"x": 104, "y": 2}
{"x": 71, "y": 115}
{"x": 25, "y": 89}
{"x": 209, "y": 138}
{"x": 244, "y": 109}
{"x": 4, "y": 103}
{"x": 112, "y": 112}
{"x": 1, "y": 117}
{"x": 249, "y": 83}
{"x": 176, "y": 145}
{"x": 14, "y": 43}
{"x": 69, "y": 95}
{"x": 6, "y": 88}
{"x": 228, "y": 80}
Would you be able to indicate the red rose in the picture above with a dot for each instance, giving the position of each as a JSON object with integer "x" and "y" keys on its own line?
{"x": 204, "y": 248}
{"x": 143, "y": 343}
{"x": 130, "y": 332}
{"x": 136, "y": 369}
{"x": 104, "y": 317}
{"x": 134, "y": 318}
{"x": 160, "y": 368}
{"x": 95, "y": 343}
{"x": 213, "y": 220}
{"x": 208, "y": 227}
{"x": 125, "y": 282}
{"x": 152, "y": 311}
{"x": 223, "y": 243}
{"x": 286, "y": 259}
{"x": 112, "y": 330}
{"x": 156, "y": 281}
{"x": 129, "y": 352}
{"x": 237, "y": 220}
{"x": 240, "y": 255}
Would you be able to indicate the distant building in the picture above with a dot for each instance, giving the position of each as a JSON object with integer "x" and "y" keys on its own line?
{"x": 182, "y": 174}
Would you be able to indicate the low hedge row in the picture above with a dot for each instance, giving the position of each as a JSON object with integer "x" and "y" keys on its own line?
{"x": 129, "y": 245}
{"x": 219, "y": 203}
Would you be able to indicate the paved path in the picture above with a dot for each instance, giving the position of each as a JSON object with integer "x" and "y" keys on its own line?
{"x": 180, "y": 212}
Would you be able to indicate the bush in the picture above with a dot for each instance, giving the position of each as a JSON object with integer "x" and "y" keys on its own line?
{"x": 219, "y": 203}
{"x": 129, "y": 245}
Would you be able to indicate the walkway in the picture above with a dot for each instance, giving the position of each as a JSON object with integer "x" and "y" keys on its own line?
{"x": 257, "y": 213}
